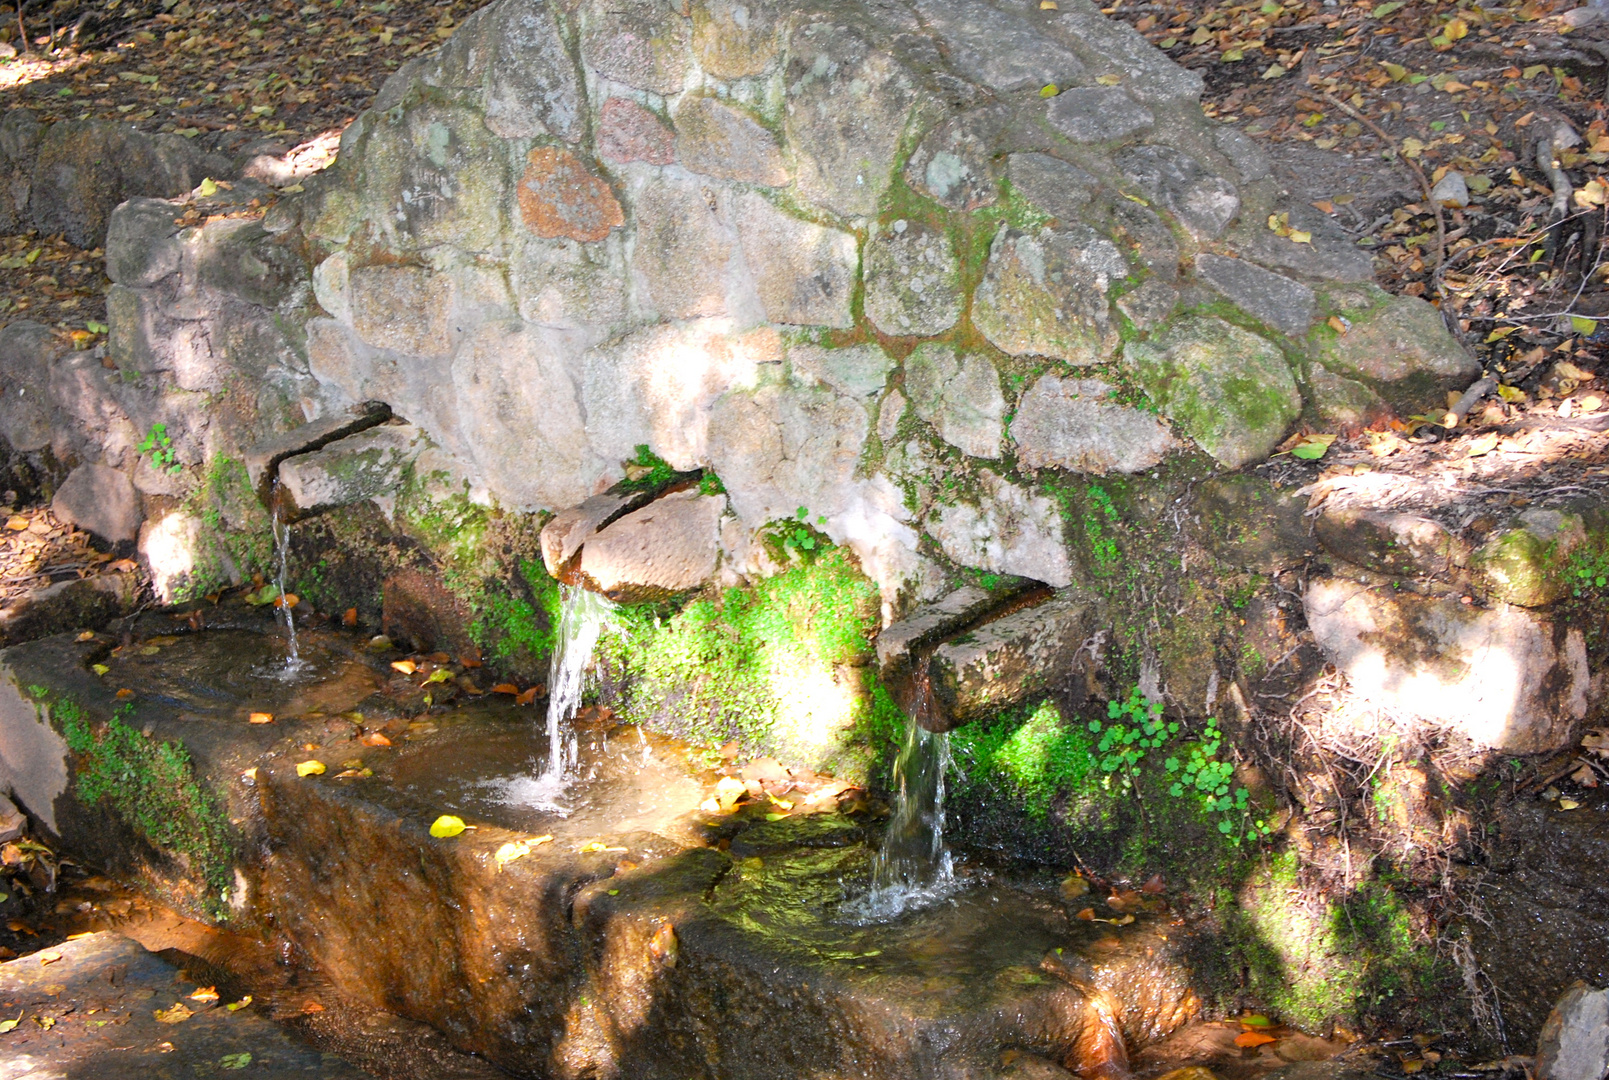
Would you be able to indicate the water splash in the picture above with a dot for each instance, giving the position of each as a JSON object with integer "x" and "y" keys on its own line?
{"x": 294, "y": 668}
{"x": 914, "y": 868}
{"x": 583, "y": 616}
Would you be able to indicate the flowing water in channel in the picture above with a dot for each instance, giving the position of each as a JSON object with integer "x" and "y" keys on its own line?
{"x": 583, "y": 616}
{"x": 913, "y": 868}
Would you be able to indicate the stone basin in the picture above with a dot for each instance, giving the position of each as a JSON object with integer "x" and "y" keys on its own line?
{"x": 645, "y": 937}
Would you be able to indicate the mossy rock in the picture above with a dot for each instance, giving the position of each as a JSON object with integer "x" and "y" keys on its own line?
{"x": 1227, "y": 388}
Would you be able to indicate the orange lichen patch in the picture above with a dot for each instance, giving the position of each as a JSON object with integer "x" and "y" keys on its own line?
{"x": 560, "y": 197}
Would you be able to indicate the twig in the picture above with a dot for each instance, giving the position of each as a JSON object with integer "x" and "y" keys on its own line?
{"x": 1460, "y": 409}
{"x": 1424, "y": 181}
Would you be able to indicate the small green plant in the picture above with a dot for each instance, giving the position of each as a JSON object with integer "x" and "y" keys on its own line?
{"x": 1588, "y": 570}
{"x": 1204, "y": 776}
{"x": 1103, "y": 547}
{"x": 1133, "y": 726}
{"x": 801, "y": 537}
{"x": 158, "y": 446}
{"x": 710, "y": 484}
{"x": 646, "y": 470}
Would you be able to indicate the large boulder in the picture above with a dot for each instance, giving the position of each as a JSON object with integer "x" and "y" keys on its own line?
{"x": 1503, "y": 677}
{"x": 668, "y": 547}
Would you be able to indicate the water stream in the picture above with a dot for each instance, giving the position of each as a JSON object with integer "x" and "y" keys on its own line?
{"x": 583, "y": 616}
{"x": 913, "y": 868}
{"x": 294, "y": 667}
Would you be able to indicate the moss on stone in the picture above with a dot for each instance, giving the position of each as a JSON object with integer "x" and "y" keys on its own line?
{"x": 782, "y": 666}
{"x": 151, "y": 787}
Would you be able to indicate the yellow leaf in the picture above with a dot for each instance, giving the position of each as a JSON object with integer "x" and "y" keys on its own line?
{"x": 729, "y": 790}
{"x": 1232, "y": 55}
{"x": 1456, "y": 29}
{"x": 262, "y": 718}
{"x": 1109, "y": 80}
{"x": 205, "y": 993}
{"x": 310, "y": 768}
{"x": 1048, "y": 5}
{"x": 1412, "y": 147}
{"x": 1568, "y": 804}
{"x": 514, "y": 849}
{"x": 236, "y": 1006}
{"x": 1301, "y": 236}
{"x": 1584, "y": 326}
{"x": 176, "y": 1015}
{"x": 407, "y": 667}
{"x": 592, "y": 847}
{"x": 1511, "y": 394}
{"x": 1482, "y": 445}
{"x": 446, "y": 825}
{"x": 1274, "y": 71}
{"x": 1500, "y": 333}
{"x": 99, "y": 669}
{"x": 1048, "y": 90}
{"x": 207, "y": 188}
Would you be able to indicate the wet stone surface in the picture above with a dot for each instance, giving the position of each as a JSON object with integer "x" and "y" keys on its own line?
{"x": 95, "y": 1013}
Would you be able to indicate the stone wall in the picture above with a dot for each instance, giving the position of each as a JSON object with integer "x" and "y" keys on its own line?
{"x": 925, "y": 275}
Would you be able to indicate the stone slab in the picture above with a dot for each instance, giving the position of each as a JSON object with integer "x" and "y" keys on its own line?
{"x": 1073, "y": 424}
{"x": 100, "y": 1000}
{"x": 1574, "y": 1044}
{"x": 1275, "y": 299}
{"x": 564, "y": 534}
{"x": 370, "y": 464}
{"x": 667, "y": 547}
{"x": 931, "y": 622}
{"x": 263, "y": 459}
{"x": 1003, "y": 662}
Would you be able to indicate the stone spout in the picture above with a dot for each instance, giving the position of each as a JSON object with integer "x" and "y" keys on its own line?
{"x": 263, "y": 459}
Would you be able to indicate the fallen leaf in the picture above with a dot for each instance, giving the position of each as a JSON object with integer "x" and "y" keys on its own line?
{"x": 728, "y": 790}
{"x": 663, "y": 946}
{"x": 10, "y": 1025}
{"x": 1073, "y": 886}
{"x": 1255, "y": 1020}
{"x": 176, "y": 1015}
{"x": 1154, "y": 886}
{"x": 311, "y": 1006}
{"x": 1253, "y": 1038}
{"x": 506, "y": 688}
{"x": 207, "y": 188}
{"x": 262, "y": 718}
{"x": 375, "y": 738}
{"x": 99, "y": 669}
{"x": 205, "y": 993}
{"x": 48, "y": 958}
{"x": 1482, "y": 445}
{"x": 1568, "y": 804}
{"x": 446, "y": 826}
{"x": 1109, "y": 80}
{"x": 594, "y": 846}
{"x": 1312, "y": 447}
{"x": 310, "y": 768}
{"x": 407, "y": 667}
{"x": 124, "y": 694}
{"x": 235, "y": 1061}
{"x": 238, "y": 1005}
{"x": 87, "y": 635}
{"x": 528, "y": 696}
{"x": 350, "y": 618}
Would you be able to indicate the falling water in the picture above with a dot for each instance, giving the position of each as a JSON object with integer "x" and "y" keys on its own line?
{"x": 914, "y": 867}
{"x": 294, "y": 666}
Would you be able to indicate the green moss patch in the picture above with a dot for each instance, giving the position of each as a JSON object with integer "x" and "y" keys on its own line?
{"x": 782, "y": 667}
{"x": 151, "y": 787}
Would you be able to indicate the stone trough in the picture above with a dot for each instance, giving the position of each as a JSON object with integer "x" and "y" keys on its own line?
{"x": 637, "y": 935}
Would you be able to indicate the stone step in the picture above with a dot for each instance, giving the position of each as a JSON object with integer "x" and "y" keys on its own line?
{"x": 263, "y": 459}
